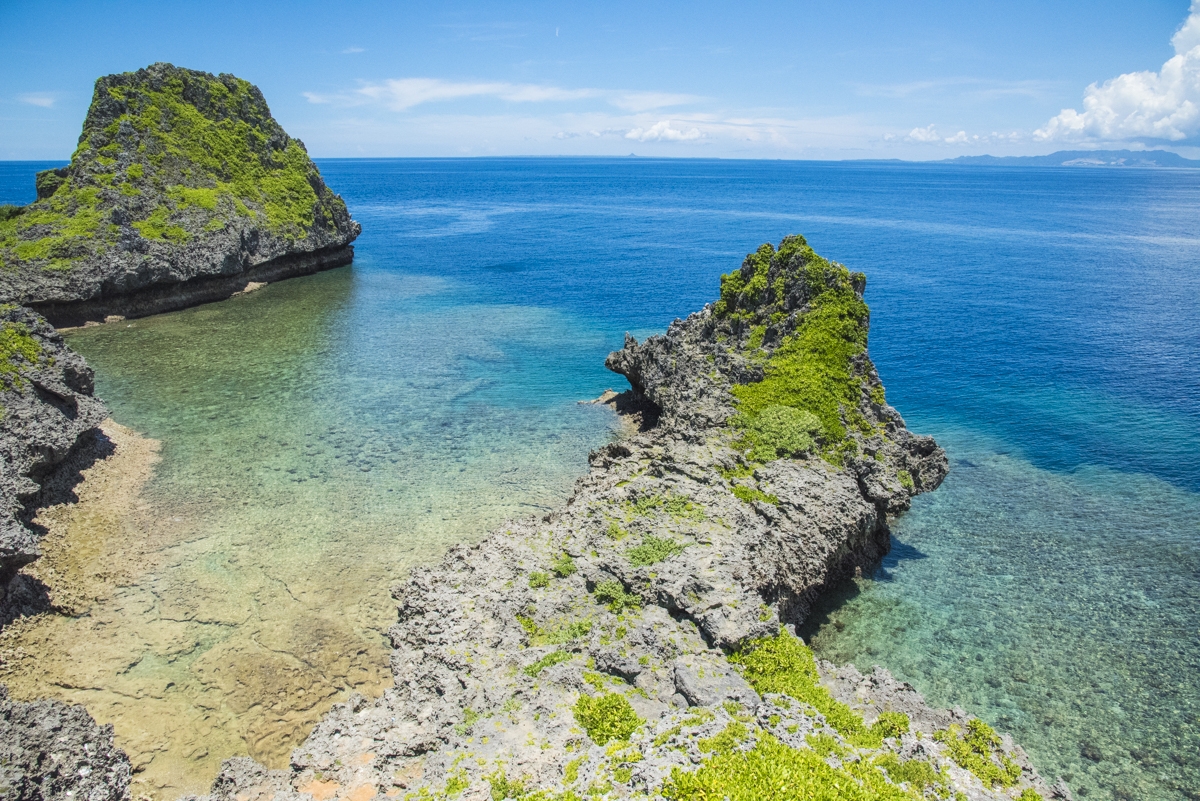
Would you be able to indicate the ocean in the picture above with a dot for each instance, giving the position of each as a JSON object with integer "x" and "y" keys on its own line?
{"x": 323, "y": 435}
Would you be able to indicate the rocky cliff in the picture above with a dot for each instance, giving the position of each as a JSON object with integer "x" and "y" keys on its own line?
{"x": 639, "y": 642}
{"x": 46, "y": 410}
{"x": 183, "y": 188}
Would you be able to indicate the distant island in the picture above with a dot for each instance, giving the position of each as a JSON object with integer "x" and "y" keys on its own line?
{"x": 1084, "y": 158}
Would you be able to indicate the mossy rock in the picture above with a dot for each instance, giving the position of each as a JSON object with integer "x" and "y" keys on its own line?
{"x": 178, "y": 174}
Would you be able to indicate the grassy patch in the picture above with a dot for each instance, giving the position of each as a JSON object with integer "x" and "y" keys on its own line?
{"x": 613, "y": 594}
{"x": 549, "y": 660}
{"x": 815, "y": 370}
{"x": 905, "y": 478}
{"x": 653, "y": 550}
{"x": 538, "y": 579}
{"x": 563, "y": 566}
{"x": 783, "y": 664}
{"x": 18, "y": 352}
{"x": 773, "y": 770}
{"x": 978, "y": 750}
{"x": 606, "y": 717}
{"x": 751, "y": 494}
{"x": 676, "y": 506}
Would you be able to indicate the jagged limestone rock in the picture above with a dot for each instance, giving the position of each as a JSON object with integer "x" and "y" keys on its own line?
{"x": 183, "y": 188}
{"x": 636, "y": 641}
{"x": 46, "y": 408}
{"x": 50, "y": 751}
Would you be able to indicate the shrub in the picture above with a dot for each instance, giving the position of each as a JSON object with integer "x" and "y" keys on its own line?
{"x": 978, "y": 750}
{"x": 652, "y": 550}
{"x": 780, "y": 431}
{"x": 613, "y": 593}
{"x": 563, "y": 566}
{"x": 751, "y": 494}
{"x": 606, "y": 717}
{"x": 537, "y": 579}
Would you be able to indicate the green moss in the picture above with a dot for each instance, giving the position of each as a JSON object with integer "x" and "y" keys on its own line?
{"x": 773, "y": 770}
{"x": 978, "y": 750}
{"x": 652, "y": 550}
{"x": 205, "y": 147}
{"x": 612, "y": 592}
{"x": 503, "y": 787}
{"x": 549, "y": 660}
{"x": 606, "y": 717}
{"x": 916, "y": 773}
{"x": 571, "y": 771}
{"x": 563, "y": 566}
{"x": 815, "y": 369}
{"x": 18, "y": 352}
{"x": 783, "y": 664}
{"x": 726, "y": 742}
{"x": 615, "y": 532}
{"x": 676, "y": 506}
{"x": 537, "y": 580}
{"x": 751, "y": 494}
{"x": 779, "y": 431}
{"x": 558, "y": 635}
{"x": 906, "y": 480}
{"x": 470, "y": 716}
{"x": 891, "y": 724}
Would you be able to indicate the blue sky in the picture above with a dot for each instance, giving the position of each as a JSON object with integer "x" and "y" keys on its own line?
{"x": 918, "y": 80}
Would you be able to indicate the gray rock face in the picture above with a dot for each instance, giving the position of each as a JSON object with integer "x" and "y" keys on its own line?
{"x": 48, "y": 408}
{"x": 183, "y": 189}
{"x": 635, "y": 593}
{"x": 50, "y": 751}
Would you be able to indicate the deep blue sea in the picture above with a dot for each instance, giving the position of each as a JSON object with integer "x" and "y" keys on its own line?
{"x": 1041, "y": 323}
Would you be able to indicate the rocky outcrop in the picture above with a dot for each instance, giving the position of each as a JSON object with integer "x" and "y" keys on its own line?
{"x": 50, "y": 751}
{"x": 47, "y": 411}
{"x": 182, "y": 190}
{"x": 640, "y": 639}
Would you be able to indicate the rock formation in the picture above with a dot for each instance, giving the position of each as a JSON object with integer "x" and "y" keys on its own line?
{"x": 50, "y": 751}
{"x": 183, "y": 189}
{"x": 46, "y": 410}
{"x": 639, "y": 640}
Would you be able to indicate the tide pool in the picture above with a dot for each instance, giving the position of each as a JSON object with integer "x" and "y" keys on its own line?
{"x": 322, "y": 435}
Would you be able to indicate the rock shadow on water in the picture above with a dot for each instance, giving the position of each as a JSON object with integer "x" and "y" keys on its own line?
{"x": 839, "y": 597}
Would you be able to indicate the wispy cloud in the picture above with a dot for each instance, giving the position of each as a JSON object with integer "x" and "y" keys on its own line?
{"x": 353, "y": 50}
{"x": 975, "y": 88}
{"x": 402, "y": 94}
{"x": 1155, "y": 105}
{"x": 37, "y": 99}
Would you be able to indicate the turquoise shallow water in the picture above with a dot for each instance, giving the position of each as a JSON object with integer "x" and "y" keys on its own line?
{"x": 1040, "y": 323}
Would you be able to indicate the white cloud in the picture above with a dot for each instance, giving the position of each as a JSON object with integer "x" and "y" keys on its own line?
{"x": 959, "y": 138}
{"x": 1155, "y": 105}
{"x": 352, "y": 50}
{"x": 647, "y": 101}
{"x": 45, "y": 101}
{"x": 663, "y": 132}
{"x": 926, "y": 134}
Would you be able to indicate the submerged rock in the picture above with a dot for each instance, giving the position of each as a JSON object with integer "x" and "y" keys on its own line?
{"x": 183, "y": 189}
{"x": 640, "y": 640}
{"x": 46, "y": 410}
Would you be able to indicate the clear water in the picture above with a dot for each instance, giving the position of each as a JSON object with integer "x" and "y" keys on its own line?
{"x": 1040, "y": 323}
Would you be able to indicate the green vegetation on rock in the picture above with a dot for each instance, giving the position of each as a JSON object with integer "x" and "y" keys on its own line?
{"x": 611, "y": 592}
{"x": 978, "y": 750}
{"x": 653, "y": 550}
{"x": 606, "y": 717}
{"x": 172, "y": 153}
{"x": 549, "y": 660}
{"x": 18, "y": 352}
{"x": 813, "y": 381}
{"x": 563, "y": 566}
{"x": 751, "y": 494}
{"x": 783, "y": 664}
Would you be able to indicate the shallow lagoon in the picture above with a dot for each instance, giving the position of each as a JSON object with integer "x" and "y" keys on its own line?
{"x": 321, "y": 435}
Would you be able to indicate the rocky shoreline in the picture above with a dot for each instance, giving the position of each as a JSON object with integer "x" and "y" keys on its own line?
{"x": 639, "y": 642}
